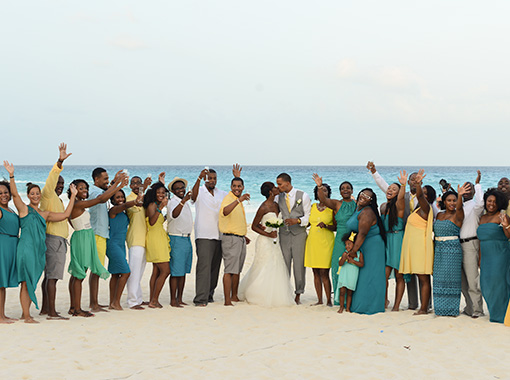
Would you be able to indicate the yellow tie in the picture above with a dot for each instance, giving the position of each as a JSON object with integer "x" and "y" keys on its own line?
{"x": 287, "y": 200}
{"x": 411, "y": 203}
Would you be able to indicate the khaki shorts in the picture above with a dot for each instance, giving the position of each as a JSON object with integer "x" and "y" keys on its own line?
{"x": 56, "y": 248}
{"x": 234, "y": 252}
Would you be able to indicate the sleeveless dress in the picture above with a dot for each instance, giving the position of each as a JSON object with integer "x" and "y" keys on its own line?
{"x": 417, "y": 256}
{"x": 370, "y": 294}
{"x": 9, "y": 230}
{"x": 394, "y": 238}
{"x": 348, "y": 276}
{"x": 157, "y": 242}
{"x": 494, "y": 269}
{"x": 267, "y": 282}
{"x": 116, "y": 244}
{"x": 342, "y": 216}
{"x": 447, "y": 269}
{"x": 83, "y": 250}
{"x": 320, "y": 241}
{"x": 31, "y": 257}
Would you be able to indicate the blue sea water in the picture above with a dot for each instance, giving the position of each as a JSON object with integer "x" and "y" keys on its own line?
{"x": 254, "y": 176}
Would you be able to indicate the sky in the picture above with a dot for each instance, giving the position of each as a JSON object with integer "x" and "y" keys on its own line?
{"x": 261, "y": 83}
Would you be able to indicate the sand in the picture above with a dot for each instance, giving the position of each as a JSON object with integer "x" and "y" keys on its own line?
{"x": 249, "y": 342}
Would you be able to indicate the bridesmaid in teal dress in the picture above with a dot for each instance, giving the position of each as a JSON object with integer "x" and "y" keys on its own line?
{"x": 9, "y": 230}
{"x": 343, "y": 210}
{"x": 493, "y": 233}
{"x": 31, "y": 255}
{"x": 369, "y": 297}
{"x": 392, "y": 215}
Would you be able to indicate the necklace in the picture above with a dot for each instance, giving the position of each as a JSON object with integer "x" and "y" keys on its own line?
{"x": 321, "y": 208}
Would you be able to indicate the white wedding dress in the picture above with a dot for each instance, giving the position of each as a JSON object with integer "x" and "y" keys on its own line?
{"x": 267, "y": 283}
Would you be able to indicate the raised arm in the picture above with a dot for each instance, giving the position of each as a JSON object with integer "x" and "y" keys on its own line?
{"x": 119, "y": 208}
{"x": 120, "y": 181}
{"x": 196, "y": 186}
{"x": 333, "y": 204}
{"x": 383, "y": 185}
{"x": 153, "y": 213}
{"x": 178, "y": 209}
{"x": 236, "y": 170}
{"x": 459, "y": 207}
{"x": 59, "y": 216}
{"x": 401, "y": 202}
{"x": 20, "y": 205}
{"x": 230, "y": 207}
{"x": 422, "y": 201}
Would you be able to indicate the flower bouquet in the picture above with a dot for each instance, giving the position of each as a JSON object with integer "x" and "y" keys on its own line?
{"x": 274, "y": 223}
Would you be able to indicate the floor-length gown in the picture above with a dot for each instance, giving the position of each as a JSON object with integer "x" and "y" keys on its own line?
{"x": 447, "y": 268}
{"x": 494, "y": 269}
{"x": 342, "y": 216}
{"x": 9, "y": 230}
{"x": 31, "y": 256}
{"x": 370, "y": 294}
{"x": 267, "y": 282}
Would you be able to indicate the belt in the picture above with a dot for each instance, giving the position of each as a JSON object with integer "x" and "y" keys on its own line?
{"x": 13, "y": 236}
{"x": 393, "y": 232}
{"x": 446, "y": 238}
{"x": 234, "y": 235}
{"x": 469, "y": 239}
{"x": 180, "y": 235}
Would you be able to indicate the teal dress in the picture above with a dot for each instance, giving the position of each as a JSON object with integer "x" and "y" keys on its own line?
{"x": 116, "y": 244}
{"x": 342, "y": 216}
{"x": 394, "y": 239}
{"x": 494, "y": 269}
{"x": 31, "y": 257}
{"x": 370, "y": 294}
{"x": 9, "y": 230}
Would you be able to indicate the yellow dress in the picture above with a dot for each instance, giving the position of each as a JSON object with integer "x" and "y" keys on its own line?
{"x": 417, "y": 255}
{"x": 157, "y": 242}
{"x": 320, "y": 241}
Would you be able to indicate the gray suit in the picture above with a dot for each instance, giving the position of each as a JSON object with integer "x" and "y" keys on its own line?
{"x": 293, "y": 240}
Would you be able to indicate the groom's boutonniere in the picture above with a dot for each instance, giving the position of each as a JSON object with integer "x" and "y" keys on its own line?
{"x": 298, "y": 202}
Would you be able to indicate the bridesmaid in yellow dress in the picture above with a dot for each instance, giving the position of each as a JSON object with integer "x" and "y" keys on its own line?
{"x": 417, "y": 256}
{"x": 157, "y": 243}
{"x": 319, "y": 244}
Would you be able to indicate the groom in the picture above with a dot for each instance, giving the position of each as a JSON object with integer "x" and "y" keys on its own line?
{"x": 295, "y": 207}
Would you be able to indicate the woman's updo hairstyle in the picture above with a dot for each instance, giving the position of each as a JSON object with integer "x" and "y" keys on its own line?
{"x": 30, "y": 186}
{"x": 266, "y": 188}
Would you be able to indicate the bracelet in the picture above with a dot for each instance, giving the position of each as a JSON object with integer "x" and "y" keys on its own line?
{"x": 61, "y": 161}
{"x": 238, "y": 201}
{"x": 182, "y": 204}
{"x": 11, "y": 176}
{"x": 200, "y": 179}
{"x": 507, "y": 227}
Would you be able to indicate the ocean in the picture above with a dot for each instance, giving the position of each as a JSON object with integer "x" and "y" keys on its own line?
{"x": 254, "y": 176}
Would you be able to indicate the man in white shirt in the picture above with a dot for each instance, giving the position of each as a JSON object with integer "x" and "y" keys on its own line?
{"x": 473, "y": 209}
{"x": 295, "y": 206}
{"x": 179, "y": 226}
{"x": 207, "y": 200}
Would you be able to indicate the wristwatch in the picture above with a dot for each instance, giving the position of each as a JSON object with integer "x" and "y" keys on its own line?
{"x": 299, "y": 220}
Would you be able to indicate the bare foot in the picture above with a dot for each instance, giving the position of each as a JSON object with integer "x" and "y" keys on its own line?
{"x": 175, "y": 304}
{"x": 421, "y": 312}
{"x": 56, "y": 317}
{"x": 183, "y": 303}
{"x": 348, "y": 310}
{"x": 387, "y": 304}
{"x": 43, "y": 312}
{"x": 115, "y": 307}
{"x": 137, "y": 307}
{"x": 329, "y": 303}
{"x": 235, "y": 299}
{"x": 98, "y": 309}
{"x": 298, "y": 299}
{"x": 155, "y": 305}
{"x": 340, "y": 310}
{"x": 315, "y": 304}
{"x": 6, "y": 320}
{"x": 229, "y": 304}
{"x": 29, "y": 319}
{"x": 71, "y": 311}
{"x": 395, "y": 308}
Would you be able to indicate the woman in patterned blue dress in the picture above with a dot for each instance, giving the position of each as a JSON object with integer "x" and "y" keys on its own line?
{"x": 448, "y": 253}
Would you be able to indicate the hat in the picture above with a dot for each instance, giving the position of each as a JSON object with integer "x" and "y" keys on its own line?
{"x": 177, "y": 179}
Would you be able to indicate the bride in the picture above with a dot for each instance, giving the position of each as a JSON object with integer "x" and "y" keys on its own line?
{"x": 267, "y": 283}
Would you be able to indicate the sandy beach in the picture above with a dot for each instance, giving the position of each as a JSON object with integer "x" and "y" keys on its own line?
{"x": 248, "y": 341}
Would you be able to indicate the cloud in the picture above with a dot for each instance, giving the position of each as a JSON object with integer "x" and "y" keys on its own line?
{"x": 129, "y": 43}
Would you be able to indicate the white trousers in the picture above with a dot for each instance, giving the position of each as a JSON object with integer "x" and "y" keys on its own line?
{"x": 137, "y": 266}
{"x": 471, "y": 278}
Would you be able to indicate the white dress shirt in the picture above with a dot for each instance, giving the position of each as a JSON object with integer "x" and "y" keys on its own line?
{"x": 207, "y": 209}
{"x": 307, "y": 204}
{"x": 183, "y": 224}
{"x": 473, "y": 209}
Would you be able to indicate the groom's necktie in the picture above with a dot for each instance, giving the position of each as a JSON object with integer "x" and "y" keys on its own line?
{"x": 287, "y": 201}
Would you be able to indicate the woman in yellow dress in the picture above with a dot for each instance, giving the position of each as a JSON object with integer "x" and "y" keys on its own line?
{"x": 319, "y": 244}
{"x": 157, "y": 242}
{"x": 417, "y": 256}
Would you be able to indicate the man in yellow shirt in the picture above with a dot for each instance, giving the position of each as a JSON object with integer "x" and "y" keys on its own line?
{"x": 232, "y": 224}
{"x": 56, "y": 236}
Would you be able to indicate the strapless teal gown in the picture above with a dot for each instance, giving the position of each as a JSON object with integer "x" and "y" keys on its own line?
{"x": 494, "y": 269}
{"x": 342, "y": 216}
{"x": 31, "y": 257}
{"x": 370, "y": 294}
{"x": 9, "y": 230}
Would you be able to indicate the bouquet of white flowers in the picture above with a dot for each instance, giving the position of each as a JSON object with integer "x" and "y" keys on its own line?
{"x": 274, "y": 223}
